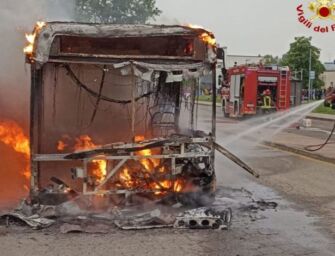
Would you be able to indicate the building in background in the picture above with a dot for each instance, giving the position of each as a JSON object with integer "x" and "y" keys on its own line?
{"x": 328, "y": 77}
{"x": 232, "y": 60}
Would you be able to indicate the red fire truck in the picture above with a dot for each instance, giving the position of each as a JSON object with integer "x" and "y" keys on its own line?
{"x": 256, "y": 89}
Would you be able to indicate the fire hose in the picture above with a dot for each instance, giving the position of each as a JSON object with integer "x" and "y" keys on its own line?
{"x": 314, "y": 148}
{"x": 235, "y": 159}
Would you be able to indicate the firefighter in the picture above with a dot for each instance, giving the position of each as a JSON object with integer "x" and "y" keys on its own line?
{"x": 267, "y": 99}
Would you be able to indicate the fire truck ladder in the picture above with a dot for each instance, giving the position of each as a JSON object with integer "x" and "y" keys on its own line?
{"x": 283, "y": 83}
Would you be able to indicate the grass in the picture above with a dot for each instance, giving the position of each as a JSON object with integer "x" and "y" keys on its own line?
{"x": 208, "y": 98}
{"x": 324, "y": 110}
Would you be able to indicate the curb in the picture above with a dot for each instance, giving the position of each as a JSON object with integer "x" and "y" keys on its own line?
{"x": 299, "y": 152}
{"x": 320, "y": 118}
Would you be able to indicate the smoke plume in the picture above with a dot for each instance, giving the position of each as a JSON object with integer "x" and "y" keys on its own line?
{"x": 16, "y": 18}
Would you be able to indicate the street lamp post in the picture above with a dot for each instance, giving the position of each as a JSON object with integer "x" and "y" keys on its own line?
{"x": 309, "y": 75}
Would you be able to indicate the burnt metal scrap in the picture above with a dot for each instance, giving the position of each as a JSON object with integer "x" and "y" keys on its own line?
{"x": 204, "y": 218}
{"x": 33, "y": 221}
{"x": 48, "y": 36}
{"x": 187, "y": 154}
{"x": 146, "y": 220}
{"x": 94, "y": 228}
{"x": 77, "y": 216}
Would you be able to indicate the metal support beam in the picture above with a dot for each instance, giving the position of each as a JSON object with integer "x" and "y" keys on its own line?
{"x": 213, "y": 111}
{"x": 36, "y": 104}
{"x": 173, "y": 166}
{"x": 111, "y": 174}
{"x": 85, "y": 176}
{"x": 309, "y": 75}
{"x": 133, "y": 100}
{"x": 60, "y": 157}
{"x": 214, "y": 100}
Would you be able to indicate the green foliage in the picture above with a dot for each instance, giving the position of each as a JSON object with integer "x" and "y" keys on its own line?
{"x": 324, "y": 110}
{"x": 297, "y": 58}
{"x": 271, "y": 60}
{"x": 116, "y": 11}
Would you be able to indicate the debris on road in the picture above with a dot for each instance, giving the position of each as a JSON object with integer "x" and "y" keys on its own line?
{"x": 204, "y": 218}
{"x": 264, "y": 205}
{"x": 147, "y": 220}
{"x": 34, "y": 221}
{"x": 90, "y": 228}
{"x": 73, "y": 217}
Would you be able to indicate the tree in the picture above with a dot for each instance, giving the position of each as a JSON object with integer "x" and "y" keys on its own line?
{"x": 271, "y": 60}
{"x": 116, "y": 11}
{"x": 297, "y": 58}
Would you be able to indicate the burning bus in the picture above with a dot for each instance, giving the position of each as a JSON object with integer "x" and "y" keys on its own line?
{"x": 107, "y": 112}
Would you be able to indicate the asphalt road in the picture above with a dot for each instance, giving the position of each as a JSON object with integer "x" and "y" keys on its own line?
{"x": 302, "y": 224}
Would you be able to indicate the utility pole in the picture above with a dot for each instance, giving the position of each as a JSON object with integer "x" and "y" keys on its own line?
{"x": 309, "y": 75}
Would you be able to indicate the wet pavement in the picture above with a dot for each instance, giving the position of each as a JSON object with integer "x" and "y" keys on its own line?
{"x": 301, "y": 224}
{"x": 303, "y": 187}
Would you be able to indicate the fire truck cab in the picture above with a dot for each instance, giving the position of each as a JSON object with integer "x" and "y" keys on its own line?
{"x": 256, "y": 89}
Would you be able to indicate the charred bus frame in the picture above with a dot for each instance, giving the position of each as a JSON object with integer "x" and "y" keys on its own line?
{"x": 169, "y": 49}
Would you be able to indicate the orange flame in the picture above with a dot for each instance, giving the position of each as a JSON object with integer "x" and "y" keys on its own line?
{"x": 61, "y": 146}
{"x": 85, "y": 142}
{"x": 194, "y": 26}
{"x": 178, "y": 186}
{"x": 12, "y": 135}
{"x": 130, "y": 178}
{"x": 99, "y": 168}
{"x": 151, "y": 166}
{"x": 206, "y": 37}
{"x": 126, "y": 178}
{"x": 40, "y": 24}
{"x": 32, "y": 37}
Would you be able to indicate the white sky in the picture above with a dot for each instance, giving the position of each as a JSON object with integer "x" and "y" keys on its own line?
{"x": 249, "y": 27}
